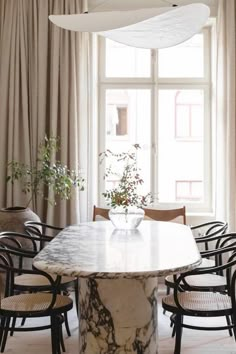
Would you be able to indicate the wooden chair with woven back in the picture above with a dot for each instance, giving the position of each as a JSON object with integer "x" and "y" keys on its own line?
{"x": 100, "y": 213}
{"x": 33, "y": 302}
{"x": 175, "y": 215}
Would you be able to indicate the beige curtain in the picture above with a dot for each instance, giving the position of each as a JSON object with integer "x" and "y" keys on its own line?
{"x": 226, "y": 113}
{"x": 43, "y": 89}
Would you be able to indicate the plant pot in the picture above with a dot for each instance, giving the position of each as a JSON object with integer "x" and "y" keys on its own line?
{"x": 126, "y": 218}
{"x": 13, "y": 219}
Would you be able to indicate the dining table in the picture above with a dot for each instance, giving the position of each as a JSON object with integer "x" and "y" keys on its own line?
{"x": 118, "y": 273}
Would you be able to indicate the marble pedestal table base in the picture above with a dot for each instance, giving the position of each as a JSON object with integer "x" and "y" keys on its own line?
{"x": 118, "y": 316}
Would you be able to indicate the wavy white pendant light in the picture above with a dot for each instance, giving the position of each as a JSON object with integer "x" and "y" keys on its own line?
{"x": 159, "y": 27}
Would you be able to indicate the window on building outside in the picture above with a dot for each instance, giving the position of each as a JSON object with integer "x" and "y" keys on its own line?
{"x": 160, "y": 99}
{"x": 189, "y": 190}
{"x": 189, "y": 115}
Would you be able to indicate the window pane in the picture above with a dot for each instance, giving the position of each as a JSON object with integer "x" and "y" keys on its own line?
{"x": 128, "y": 121}
{"x": 125, "y": 61}
{"x": 189, "y": 190}
{"x": 117, "y": 120}
{"x": 197, "y": 121}
{"x": 182, "y": 121}
{"x": 197, "y": 190}
{"x": 180, "y": 159}
{"x": 182, "y": 189}
{"x": 183, "y": 60}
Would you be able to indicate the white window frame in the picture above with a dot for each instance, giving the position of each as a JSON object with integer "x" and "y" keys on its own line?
{"x": 153, "y": 83}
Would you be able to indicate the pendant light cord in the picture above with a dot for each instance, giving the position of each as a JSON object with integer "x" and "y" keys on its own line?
{"x": 84, "y": 6}
{"x": 97, "y": 7}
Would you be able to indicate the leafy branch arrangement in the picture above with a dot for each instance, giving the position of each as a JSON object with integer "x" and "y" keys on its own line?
{"x": 45, "y": 175}
{"x": 126, "y": 193}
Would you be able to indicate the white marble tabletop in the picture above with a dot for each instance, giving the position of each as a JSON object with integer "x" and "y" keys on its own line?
{"x": 97, "y": 250}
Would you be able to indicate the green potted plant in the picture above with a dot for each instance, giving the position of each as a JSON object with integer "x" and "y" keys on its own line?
{"x": 39, "y": 179}
{"x": 125, "y": 200}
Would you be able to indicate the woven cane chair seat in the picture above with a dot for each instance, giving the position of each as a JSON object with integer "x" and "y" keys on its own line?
{"x": 38, "y": 280}
{"x": 200, "y": 301}
{"x": 33, "y": 303}
{"x": 208, "y": 301}
{"x": 203, "y": 280}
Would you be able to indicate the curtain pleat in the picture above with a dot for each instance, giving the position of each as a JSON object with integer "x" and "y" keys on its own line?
{"x": 226, "y": 113}
{"x": 40, "y": 87}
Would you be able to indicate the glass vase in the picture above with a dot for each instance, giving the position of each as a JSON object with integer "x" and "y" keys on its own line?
{"x": 126, "y": 218}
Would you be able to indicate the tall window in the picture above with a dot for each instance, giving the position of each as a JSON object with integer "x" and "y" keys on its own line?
{"x": 161, "y": 99}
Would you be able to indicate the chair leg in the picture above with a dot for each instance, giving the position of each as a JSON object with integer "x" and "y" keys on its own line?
{"x": 172, "y": 324}
{"x": 173, "y": 331}
{"x": 23, "y": 321}
{"x": 67, "y": 324}
{"x": 58, "y": 336}
{"x": 13, "y": 325}
{"x": 2, "y": 326}
{"x": 229, "y": 323}
{"x": 233, "y": 318}
{"x": 167, "y": 293}
{"x": 61, "y": 339}
{"x": 77, "y": 296}
{"x": 178, "y": 335}
{"x": 54, "y": 335}
{"x": 5, "y": 334}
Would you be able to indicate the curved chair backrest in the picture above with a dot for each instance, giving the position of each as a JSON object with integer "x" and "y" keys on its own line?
{"x": 11, "y": 251}
{"x": 100, "y": 213}
{"x": 176, "y": 215}
{"x": 21, "y": 241}
{"x": 17, "y": 242}
{"x": 207, "y": 232}
{"x": 210, "y": 228}
{"x": 41, "y": 230}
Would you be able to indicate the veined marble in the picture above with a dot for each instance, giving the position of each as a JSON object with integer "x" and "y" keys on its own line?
{"x": 118, "y": 316}
{"x": 97, "y": 250}
{"x": 118, "y": 271}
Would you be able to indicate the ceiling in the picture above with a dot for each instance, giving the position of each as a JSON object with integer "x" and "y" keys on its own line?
{"x": 109, "y": 5}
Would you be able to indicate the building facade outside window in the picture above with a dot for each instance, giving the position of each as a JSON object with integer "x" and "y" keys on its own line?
{"x": 162, "y": 100}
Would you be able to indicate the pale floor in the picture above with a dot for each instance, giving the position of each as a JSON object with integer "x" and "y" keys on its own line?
{"x": 194, "y": 342}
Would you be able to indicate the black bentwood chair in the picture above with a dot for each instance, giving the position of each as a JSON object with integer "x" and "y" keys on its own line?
{"x": 216, "y": 282}
{"x": 206, "y": 234}
{"x": 192, "y": 301}
{"x": 31, "y": 282}
{"x": 204, "y": 231}
{"x": 32, "y": 304}
{"x": 45, "y": 233}
{"x": 41, "y": 230}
